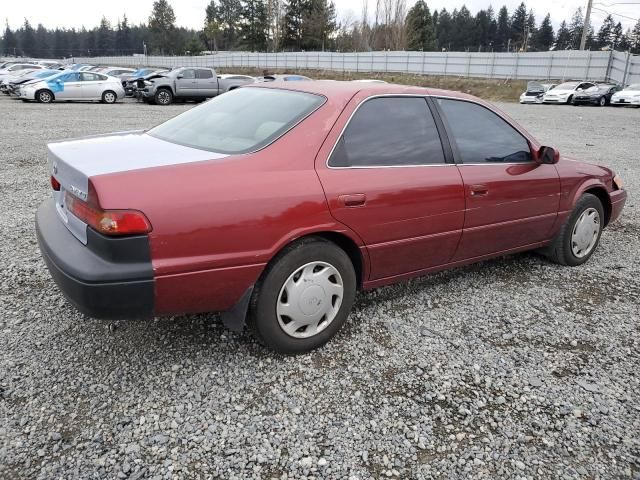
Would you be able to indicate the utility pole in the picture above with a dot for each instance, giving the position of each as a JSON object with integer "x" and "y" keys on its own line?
{"x": 585, "y": 27}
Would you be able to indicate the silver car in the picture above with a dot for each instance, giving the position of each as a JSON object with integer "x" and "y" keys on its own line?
{"x": 73, "y": 85}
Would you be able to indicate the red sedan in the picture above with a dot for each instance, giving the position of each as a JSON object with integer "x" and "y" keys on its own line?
{"x": 275, "y": 203}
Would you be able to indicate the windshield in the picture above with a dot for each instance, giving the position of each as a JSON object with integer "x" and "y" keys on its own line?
{"x": 240, "y": 121}
{"x": 567, "y": 86}
{"x": 633, "y": 86}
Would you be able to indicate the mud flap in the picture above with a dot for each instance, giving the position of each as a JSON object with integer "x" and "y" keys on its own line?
{"x": 235, "y": 318}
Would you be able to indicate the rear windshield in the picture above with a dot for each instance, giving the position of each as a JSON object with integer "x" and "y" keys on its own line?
{"x": 240, "y": 121}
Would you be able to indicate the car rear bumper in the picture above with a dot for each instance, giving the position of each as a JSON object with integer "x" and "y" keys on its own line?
{"x": 618, "y": 199}
{"x": 109, "y": 278}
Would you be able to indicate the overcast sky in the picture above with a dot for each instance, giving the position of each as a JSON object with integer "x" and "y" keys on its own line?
{"x": 190, "y": 13}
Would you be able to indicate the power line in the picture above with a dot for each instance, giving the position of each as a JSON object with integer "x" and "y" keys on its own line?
{"x": 612, "y": 13}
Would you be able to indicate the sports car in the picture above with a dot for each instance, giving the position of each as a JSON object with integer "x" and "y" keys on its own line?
{"x": 627, "y": 96}
{"x": 274, "y": 203}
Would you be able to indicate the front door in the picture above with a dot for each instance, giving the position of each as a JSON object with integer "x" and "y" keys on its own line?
{"x": 388, "y": 180}
{"x": 67, "y": 87}
{"x": 512, "y": 201}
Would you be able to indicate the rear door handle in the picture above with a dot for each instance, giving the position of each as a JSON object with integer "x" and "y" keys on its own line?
{"x": 353, "y": 199}
{"x": 479, "y": 190}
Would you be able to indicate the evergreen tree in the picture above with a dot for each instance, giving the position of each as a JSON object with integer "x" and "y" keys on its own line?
{"x": 444, "y": 30}
{"x": 503, "y": 31}
{"x": 625, "y": 41}
{"x": 518, "y": 26}
{"x": 253, "y": 30}
{"x": 605, "y": 34}
{"x": 617, "y": 35}
{"x": 463, "y": 33}
{"x": 575, "y": 29}
{"x": 419, "y": 25}
{"x": 483, "y": 30}
{"x": 9, "y": 41}
{"x": 563, "y": 38}
{"x": 635, "y": 38}
{"x": 123, "y": 37}
{"x": 28, "y": 40}
{"x": 229, "y": 13}
{"x": 194, "y": 45}
{"x": 292, "y": 24}
{"x": 318, "y": 23}
{"x": 43, "y": 46}
{"x": 162, "y": 24}
{"x": 543, "y": 38}
{"x": 104, "y": 38}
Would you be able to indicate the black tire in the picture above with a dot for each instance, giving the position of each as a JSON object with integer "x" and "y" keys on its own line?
{"x": 263, "y": 318}
{"x": 560, "y": 249}
{"x": 570, "y": 99}
{"x": 44, "y": 96}
{"x": 602, "y": 101}
{"x": 109, "y": 96}
{"x": 163, "y": 96}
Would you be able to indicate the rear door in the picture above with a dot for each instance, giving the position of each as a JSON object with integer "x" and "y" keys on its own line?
{"x": 206, "y": 82}
{"x": 511, "y": 200}
{"x": 186, "y": 83}
{"x": 385, "y": 175}
{"x": 92, "y": 85}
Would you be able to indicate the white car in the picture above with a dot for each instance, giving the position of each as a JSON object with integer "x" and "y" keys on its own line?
{"x": 628, "y": 96}
{"x": 564, "y": 92}
{"x": 72, "y": 85}
{"x": 16, "y": 68}
{"x": 535, "y": 91}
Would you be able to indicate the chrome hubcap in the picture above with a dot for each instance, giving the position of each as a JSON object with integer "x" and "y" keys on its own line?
{"x": 109, "y": 97}
{"x": 585, "y": 232}
{"x": 309, "y": 300}
{"x": 163, "y": 97}
{"x": 45, "y": 97}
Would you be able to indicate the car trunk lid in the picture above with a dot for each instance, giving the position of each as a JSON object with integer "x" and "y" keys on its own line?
{"x": 74, "y": 162}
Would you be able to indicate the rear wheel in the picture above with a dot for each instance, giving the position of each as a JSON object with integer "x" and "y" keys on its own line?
{"x": 579, "y": 236}
{"x": 163, "y": 97}
{"x": 109, "y": 97}
{"x": 304, "y": 296}
{"x": 602, "y": 102}
{"x": 44, "y": 96}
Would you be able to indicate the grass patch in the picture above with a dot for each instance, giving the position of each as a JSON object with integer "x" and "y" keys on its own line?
{"x": 493, "y": 90}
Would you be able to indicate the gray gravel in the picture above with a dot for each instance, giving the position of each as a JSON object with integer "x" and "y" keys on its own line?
{"x": 512, "y": 368}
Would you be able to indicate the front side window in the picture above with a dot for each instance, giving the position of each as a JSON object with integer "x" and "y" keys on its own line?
{"x": 241, "y": 121}
{"x": 389, "y": 131}
{"x": 188, "y": 74}
{"x": 481, "y": 136}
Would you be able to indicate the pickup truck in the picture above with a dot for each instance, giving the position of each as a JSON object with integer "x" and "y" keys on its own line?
{"x": 189, "y": 83}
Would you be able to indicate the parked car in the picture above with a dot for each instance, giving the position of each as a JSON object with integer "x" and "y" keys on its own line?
{"x": 535, "y": 91}
{"x": 10, "y": 85}
{"x": 6, "y": 79}
{"x": 628, "y": 96}
{"x": 598, "y": 95}
{"x": 74, "y": 85}
{"x": 283, "y": 78}
{"x": 130, "y": 82}
{"x": 565, "y": 92}
{"x": 119, "y": 72}
{"x": 189, "y": 84}
{"x": 17, "y": 67}
{"x": 468, "y": 184}
{"x": 51, "y": 65}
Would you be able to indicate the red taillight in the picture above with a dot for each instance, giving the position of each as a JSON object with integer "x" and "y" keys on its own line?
{"x": 108, "y": 222}
{"x": 55, "y": 184}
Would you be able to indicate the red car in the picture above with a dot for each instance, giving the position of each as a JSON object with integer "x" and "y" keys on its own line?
{"x": 274, "y": 203}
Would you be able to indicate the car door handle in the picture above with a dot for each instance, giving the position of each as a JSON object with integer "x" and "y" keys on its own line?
{"x": 353, "y": 199}
{"x": 478, "y": 190}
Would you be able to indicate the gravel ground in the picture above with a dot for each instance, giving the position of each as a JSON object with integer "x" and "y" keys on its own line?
{"x": 511, "y": 368}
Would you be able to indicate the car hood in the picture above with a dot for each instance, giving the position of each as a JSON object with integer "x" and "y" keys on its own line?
{"x": 74, "y": 162}
{"x": 630, "y": 93}
{"x": 556, "y": 90}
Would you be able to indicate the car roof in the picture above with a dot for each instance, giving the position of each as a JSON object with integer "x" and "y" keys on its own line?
{"x": 344, "y": 90}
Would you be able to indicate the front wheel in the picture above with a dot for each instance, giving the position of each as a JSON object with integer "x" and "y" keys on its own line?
{"x": 602, "y": 102}
{"x": 163, "y": 97}
{"x": 580, "y": 234}
{"x": 44, "y": 96}
{"x": 304, "y": 296}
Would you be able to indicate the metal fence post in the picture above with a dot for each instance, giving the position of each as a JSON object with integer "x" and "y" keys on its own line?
{"x": 626, "y": 68}
{"x": 515, "y": 73}
{"x": 468, "y": 63}
{"x": 607, "y": 75}
{"x": 446, "y": 62}
{"x": 386, "y": 61}
{"x": 586, "y": 73}
{"x": 493, "y": 64}
{"x": 357, "y": 62}
{"x": 550, "y": 65}
{"x": 423, "y": 60}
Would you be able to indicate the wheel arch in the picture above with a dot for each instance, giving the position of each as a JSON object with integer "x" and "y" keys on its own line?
{"x": 44, "y": 89}
{"x": 603, "y": 196}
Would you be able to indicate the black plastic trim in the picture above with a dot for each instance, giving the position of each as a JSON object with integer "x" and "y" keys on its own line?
{"x": 107, "y": 278}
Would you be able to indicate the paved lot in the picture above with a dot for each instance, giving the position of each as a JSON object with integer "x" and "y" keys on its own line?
{"x": 511, "y": 368}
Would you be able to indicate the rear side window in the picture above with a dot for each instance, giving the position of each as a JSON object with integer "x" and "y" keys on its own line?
{"x": 204, "y": 74}
{"x": 389, "y": 131}
{"x": 481, "y": 136}
{"x": 241, "y": 121}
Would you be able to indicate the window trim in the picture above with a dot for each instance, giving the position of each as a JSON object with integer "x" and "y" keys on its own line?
{"x": 442, "y": 134}
{"x": 454, "y": 145}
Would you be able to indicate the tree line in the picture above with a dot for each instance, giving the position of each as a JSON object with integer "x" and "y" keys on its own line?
{"x": 312, "y": 25}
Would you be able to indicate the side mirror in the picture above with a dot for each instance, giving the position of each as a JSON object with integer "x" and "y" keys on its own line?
{"x": 179, "y": 76}
{"x": 548, "y": 155}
